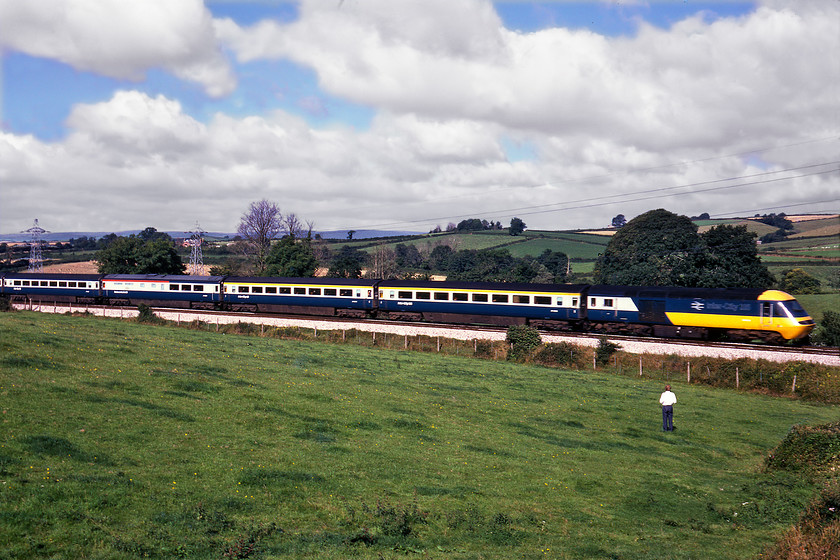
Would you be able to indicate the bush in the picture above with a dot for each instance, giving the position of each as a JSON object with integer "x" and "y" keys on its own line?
{"x": 5, "y": 305}
{"x": 146, "y": 315}
{"x": 605, "y": 350}
{"x": 559, "y": 354}
{"x": 523, "y": 339}
{"x": 811, "y": 449}
{"x": 828, "y": 332}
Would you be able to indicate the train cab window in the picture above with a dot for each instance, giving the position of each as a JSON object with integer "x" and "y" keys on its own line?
{"x": 314, "y": 291}
{"x": 174, "y": 287}
{"x": 521, "y": 299}
{"x": 608, "y": 302}
{"x": 544, "y": 300}
{"x": 479, "y": 297}
{"x": 271, "y": 289}
{"x": 404, "y": 295}
{"x": 441, "y": 296}
{"x": 500, "y": 298}
{"x": 330, "y": 291}
{"x": 423, "y": 295}
{"x": 460, "y": 296}
{"x": 256, "y": 290}
{"x": 345, "y": 292}
{"x": 285, "y": 290}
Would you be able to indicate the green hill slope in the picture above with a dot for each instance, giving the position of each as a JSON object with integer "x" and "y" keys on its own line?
{"x": 122, "y": 440}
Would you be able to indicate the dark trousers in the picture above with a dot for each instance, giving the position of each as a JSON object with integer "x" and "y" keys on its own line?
{"x": 668, "y": 418}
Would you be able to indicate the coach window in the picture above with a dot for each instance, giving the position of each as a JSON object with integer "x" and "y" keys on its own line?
{"x": 62, "y": 284}
{"x": 71, "y": 284}
{"x": 345, "y": 292}
{"x": 521, "y": 299}
{"x": 500, "y": 298}
{"x": 544, "y": 300}
{"x": 608, "y": 302}
{"x": 404, "y": 295}
{"x": 300, "y": 291}
{"x": 186, "y": 287}
{"x": 479, "y": 297}
{"x": 257, "y": 290}
{"x": 423, "y": 295}
{"x": 271, "y": 289}
{"x": 314, "y": 291}
{"x": 592, "y": 302}
{"x": 174, "y": 287}
{"x": 244, "y": 289}
{"x": 574, "y": 302}
{"x": 198, "y": 287}
{"x": 285, "y": 290}
{"x": 441, "y": 296}
{"x": 460, "y": 296}
{"x": 330, "y": 291}
{"x": 54, "y": 284}
{"x": 25, "y": 282}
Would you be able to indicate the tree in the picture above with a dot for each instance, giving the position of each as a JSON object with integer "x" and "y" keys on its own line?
{"x": 351, "y": 233}
{"x": 407, "y": 256}
{"x": 517, "y": 226}
{"x": 150, "y": 234}
{"x": 347, "y": 263}
{"x": 657, "y": 248}
{"x": 258, "y": 227}
{"x": 619, "y": 221}
{"x": 133, "y": 255}
{"x": 384, "y": 263}
{"x": 731, "y": 259}
{"x": 797, "y": 281}
{"x": 557, "y": 265}
{"x": 292, "y": 257}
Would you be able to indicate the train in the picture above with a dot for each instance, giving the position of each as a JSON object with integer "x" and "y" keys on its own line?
{"x": 737, "y": 314}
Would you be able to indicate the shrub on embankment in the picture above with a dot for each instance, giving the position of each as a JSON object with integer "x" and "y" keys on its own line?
{"x": 814, "y": 452}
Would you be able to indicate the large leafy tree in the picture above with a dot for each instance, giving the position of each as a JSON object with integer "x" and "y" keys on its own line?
{"x": 347, "y": 263}
{"x": 658, "y": 248}
{"x": 291, "y": 257}
{"x": 134, "y": 255}
{"x": 517, "y": 226}
{"x": 731, "y": 259}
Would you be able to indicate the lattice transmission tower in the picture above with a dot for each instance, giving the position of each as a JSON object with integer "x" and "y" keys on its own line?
{"x": 36, "y": 259}
{"x": 196, "y": 267}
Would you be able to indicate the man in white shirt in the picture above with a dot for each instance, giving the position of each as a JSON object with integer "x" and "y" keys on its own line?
{"x": 667, "y": 400}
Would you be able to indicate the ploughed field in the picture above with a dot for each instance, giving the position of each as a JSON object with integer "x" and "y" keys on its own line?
{"x": 122, "y": 440}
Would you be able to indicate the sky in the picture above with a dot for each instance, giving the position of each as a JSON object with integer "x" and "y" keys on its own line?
{"x": 408, "y": 115}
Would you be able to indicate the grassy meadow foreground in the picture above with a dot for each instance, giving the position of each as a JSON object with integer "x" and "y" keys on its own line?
{"x": 122, "y": 440}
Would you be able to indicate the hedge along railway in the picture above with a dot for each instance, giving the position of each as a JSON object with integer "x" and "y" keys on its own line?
{"x": 632, "y": 345}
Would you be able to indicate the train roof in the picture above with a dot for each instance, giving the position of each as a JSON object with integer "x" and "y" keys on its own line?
{"x": 164, "y": 278}
{"x": 50, "y": 276}
{"x": 488, "y": 286}
{"x": 677, "y": 292}
{"x": 285, "y": 280}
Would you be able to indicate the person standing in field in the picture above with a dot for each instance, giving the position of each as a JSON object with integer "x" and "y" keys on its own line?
{"x": 667, "y": 400}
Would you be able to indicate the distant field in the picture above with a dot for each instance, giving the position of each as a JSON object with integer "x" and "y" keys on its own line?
{"x": 122, "y": 441}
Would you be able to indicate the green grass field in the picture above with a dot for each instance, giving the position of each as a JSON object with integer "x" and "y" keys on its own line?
{"x": 122, "y": 440}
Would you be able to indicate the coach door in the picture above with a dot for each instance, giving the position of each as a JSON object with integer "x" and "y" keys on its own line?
{"x": 766, "y": 312}
{"x": 652, "y": 311}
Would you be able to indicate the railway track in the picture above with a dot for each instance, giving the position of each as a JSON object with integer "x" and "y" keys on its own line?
{"x": 632, "y": 344}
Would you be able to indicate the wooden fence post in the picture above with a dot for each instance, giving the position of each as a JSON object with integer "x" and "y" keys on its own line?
{"x": 793, "y": 388}
{"x": 688, "y": 374}
{"x": 640, "y": 366}
{"x": 737, "y": 378}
